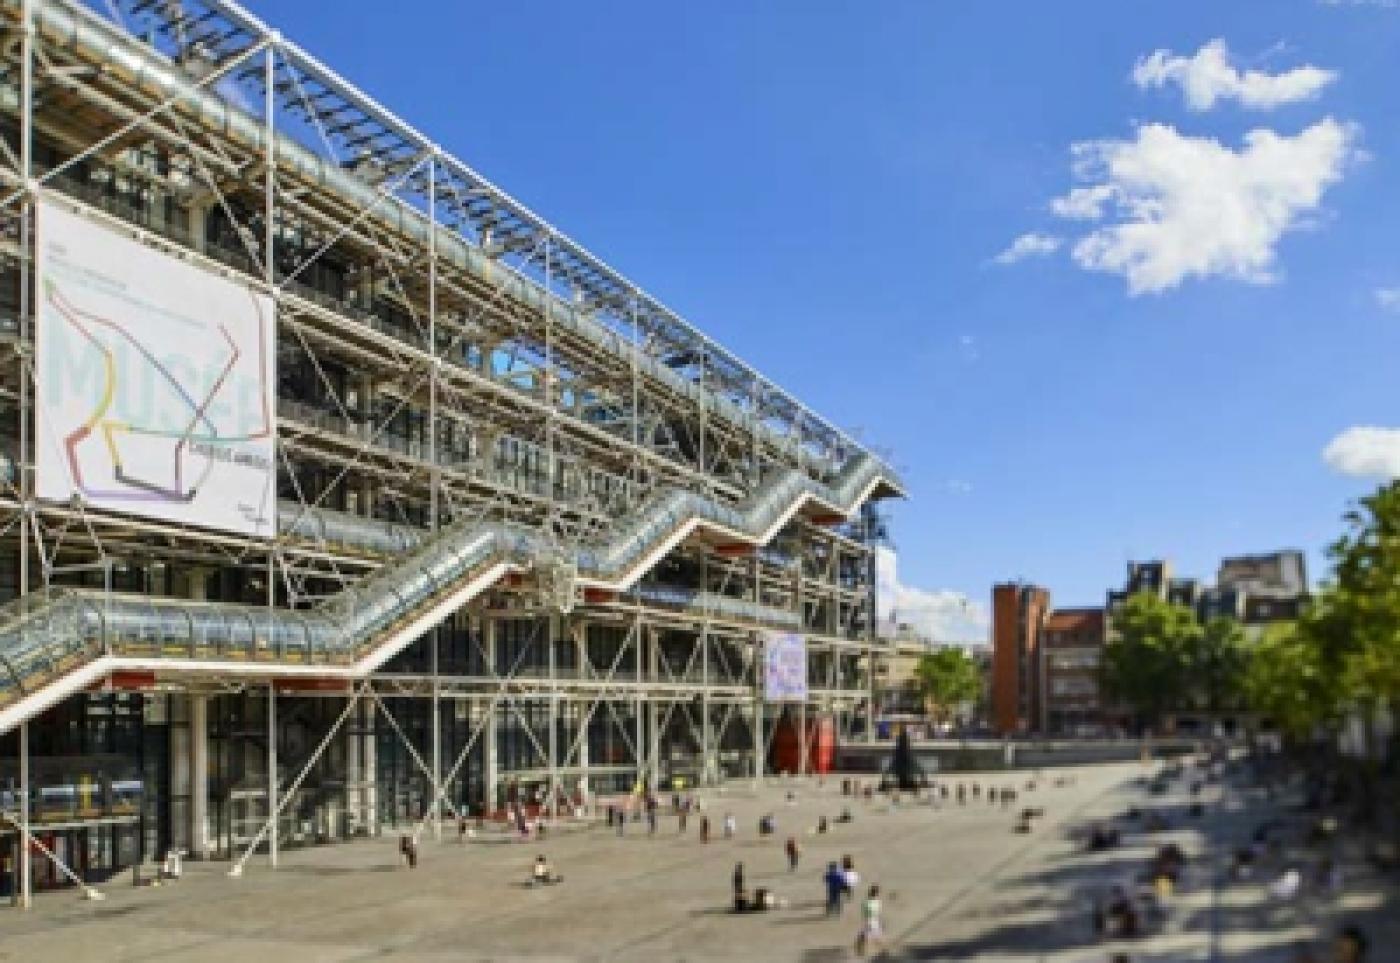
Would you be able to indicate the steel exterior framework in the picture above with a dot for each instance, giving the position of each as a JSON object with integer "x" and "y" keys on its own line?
{"x": 443, "y": 353}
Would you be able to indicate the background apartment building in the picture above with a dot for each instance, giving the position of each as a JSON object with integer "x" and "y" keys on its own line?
{"x": 1046, "y": 661}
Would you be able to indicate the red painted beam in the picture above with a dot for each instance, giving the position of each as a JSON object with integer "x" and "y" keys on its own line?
{"x": 126, "y": 680}
{"x": 311, "y": 685}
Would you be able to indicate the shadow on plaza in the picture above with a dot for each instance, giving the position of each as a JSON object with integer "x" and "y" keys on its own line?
{"x": 1064, "y": 917}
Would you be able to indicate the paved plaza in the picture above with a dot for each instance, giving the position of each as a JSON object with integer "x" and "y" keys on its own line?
{"x": 960, "y": 884}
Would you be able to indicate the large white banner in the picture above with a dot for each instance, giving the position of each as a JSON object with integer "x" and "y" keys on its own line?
{"x": 784, "y": 667}
{"x": 886, "y": 588}
{"x": 154, "y": 381}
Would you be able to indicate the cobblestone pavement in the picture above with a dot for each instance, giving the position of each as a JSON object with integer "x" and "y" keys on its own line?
{"x": 960, "y": 883}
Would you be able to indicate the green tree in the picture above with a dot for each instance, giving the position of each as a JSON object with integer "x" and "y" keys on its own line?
{"x": 1147, "y": 666}
{"x": 947, "y": 678}
{"x": 1351, "y": 630}
{"x": 1216, "y": 660}
{"x": 1288, "y": 683}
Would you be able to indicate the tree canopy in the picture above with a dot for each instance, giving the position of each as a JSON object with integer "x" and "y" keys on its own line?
{"x": 1344, "y": 654}
{"x": 1165, "y": 660}
{"x": 948, "y": 677}
{"x": 1145, "y": 666}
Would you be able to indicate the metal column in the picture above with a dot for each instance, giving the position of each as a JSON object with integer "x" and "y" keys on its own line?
{"x": 553, "y": 744}
{"x": 26, "y": 139}
{"x": 491, "y": 735}
{"x": 26, "y": 882}
{"x": 707, "y": 751}
{"x": 199, "y": 774}
{"x": 272, "y": 774}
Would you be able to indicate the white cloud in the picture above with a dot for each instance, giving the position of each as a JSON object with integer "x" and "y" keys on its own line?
{"x": 1387, "y": 4}
{"x": 941, "y": 615}
{"x": 1388, "y": 298}
{"x": 1365, "y": 452}
{"x": 967, "y": 349}
{"x": 1193, "y": 207}
{"x": 1028, "y": 245}
{"x": 1083, "y": 203}
{"x": 1209, "y": 76}
{"x": 958, "y": 486}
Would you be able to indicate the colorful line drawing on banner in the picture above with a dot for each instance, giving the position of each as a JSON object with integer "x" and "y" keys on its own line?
{"x": 154, "y": 380}
{"x": 145, "y": 490}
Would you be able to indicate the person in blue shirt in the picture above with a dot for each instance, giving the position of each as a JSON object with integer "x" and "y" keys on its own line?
{"x": 835, "y": 881}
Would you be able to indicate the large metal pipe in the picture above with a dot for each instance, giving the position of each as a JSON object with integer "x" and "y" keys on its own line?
{"x": 92, "y": 39}
{"x": 42, "y": 638}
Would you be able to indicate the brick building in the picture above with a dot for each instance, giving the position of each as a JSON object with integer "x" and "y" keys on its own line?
{"x": 1072, "y": 641}
{"x": 1018, "y": 617}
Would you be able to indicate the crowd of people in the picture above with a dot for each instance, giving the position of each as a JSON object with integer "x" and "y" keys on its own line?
{"x": 1128, "y": 908}
{"x": 1140, "y": 904}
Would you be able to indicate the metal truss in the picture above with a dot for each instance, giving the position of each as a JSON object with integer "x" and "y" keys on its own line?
{"x": 443, "y": 354}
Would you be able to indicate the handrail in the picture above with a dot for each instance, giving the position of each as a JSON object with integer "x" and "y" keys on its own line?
{"x": 355, "y": 630}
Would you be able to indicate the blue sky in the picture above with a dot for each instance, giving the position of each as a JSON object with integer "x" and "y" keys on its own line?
{"x": 825, "y": 187}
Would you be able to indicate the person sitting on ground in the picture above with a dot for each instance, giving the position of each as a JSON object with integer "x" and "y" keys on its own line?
{"x": 1329, "y": 876}
{"x": 1351, "y": 945}
{"x": 1102, "y": 837}
{"x": 845, "y": 816}
{"x": 1287, "y": 885}
{"x": 765, "y": 899}
{"x": 1163, "y": 884}
{"x": 543, "y": 874}
{"x": 1243, "y": 865}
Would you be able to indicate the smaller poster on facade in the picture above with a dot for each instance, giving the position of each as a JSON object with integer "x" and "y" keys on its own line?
{"x": 886, "y": 588}
{"x": 784, "y": 667}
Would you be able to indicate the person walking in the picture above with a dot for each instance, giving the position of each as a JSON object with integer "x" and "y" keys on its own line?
{"x": 738, "y": 880}
{"x": 850, "y": 878}
{"x": 792, "y": 853}
{"x": 730, "y": 825}
{"x": 835, "y": 881}
{"x": 872, "y": 930}
{"x": 704, "y": 829}
{"x": 681, "y": 817}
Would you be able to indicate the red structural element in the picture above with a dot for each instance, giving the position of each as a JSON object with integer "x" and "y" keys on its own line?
{"x": 828, "y": 519}
{"x": 735, "y": 550}
{"x": 127, "y": 680}
{"x": 311, "y": 685}
{"x": 597, "y": 596}
{"x": 821, "y": 746}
